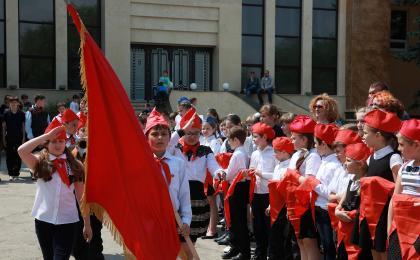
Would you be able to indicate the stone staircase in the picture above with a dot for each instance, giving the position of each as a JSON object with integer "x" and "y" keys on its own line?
{"x": 140, "y": 105}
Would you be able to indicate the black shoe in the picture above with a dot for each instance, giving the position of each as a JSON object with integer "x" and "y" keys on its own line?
{"x": 225, "y": 241}
{"x": 241, "y": 257}
{"x": 258, "y": 257}
{"x": 231, "y": 253}
{"x": 221, "y": 237}
{"x": 210, "y": 237}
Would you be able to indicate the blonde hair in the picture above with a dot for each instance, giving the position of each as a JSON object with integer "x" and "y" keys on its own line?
{"x": 330, "y": 104}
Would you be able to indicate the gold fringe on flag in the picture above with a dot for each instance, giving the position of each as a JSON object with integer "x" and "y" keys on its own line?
{"x": 94, "y": 208}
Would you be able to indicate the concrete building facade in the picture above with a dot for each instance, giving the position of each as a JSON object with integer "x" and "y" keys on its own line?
{"x": 309, "y": 46}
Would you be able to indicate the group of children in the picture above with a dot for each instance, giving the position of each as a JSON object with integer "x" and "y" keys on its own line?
{"x": 323, "y": 190}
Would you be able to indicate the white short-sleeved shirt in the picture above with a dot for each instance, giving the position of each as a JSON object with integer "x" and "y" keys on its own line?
{"x": 55, "y": 202}
{"x": 238, "y": 161}
{"x": 341, "y": 181}
{"x": 381, "y": 153}
{"x": 265, "y": 162}
{"x": 280, "y": 169}
{"x": 310, "y": 165}
{"x": 211, "y": 142}
{"x": 410, "y": 179}
{"x": 329, "y": 170}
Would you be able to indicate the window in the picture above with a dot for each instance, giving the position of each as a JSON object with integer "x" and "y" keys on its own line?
{"x": 398, "y": 30}
{"x": 288, "y": 46}
{"x": 252, "y": 38}
{"x": 90, "y": 12}
{"x": 36, "y": 44}
{"x": 2, "y": 46}
{"x": 324, "y": 47}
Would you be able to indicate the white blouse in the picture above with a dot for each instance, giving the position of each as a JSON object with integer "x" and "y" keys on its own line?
{"x": 55, "y": 202}
{"x": 265, "y": 162}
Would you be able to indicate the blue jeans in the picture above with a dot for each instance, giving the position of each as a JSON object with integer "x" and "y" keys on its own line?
{"x": 323, "y": 223}
{"x": 251, "y": 89}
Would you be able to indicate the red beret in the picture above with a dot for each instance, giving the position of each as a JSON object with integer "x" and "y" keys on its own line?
{"x": 264, "y": 129}
{"x": 411, "y": 129}
{"x": 55, "y": 123}
{"x": 302, "y": 124}
{"x": 384, "y": 121}
{"x": 358, "y": 152}
{"x": 82, "y": 120}
{"x": 347, "y": 136}
{"x": 191, "y": 115}
{"x": 69, "y": 116}
{"x": 155, "y": 118}
{"x": 283, "y": 144}
{"x": 326, "y": 132}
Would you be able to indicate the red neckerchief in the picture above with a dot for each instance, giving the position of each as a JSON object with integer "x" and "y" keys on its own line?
{"x": 331, "y": 213}
{"x": 306, "y": 195}
{"x": 60, "y": 167}
{"x": 277, "y": 198}
{"x": 239, "y": 177}
{"x": 163, "y": 165}
{"x": 189, "y": 150}
{"x": 344, "y": 231}
{"x": 406, "y": 223}
{"x": 374, "y": 194}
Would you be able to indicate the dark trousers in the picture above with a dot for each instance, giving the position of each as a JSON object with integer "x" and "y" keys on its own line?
{"x": 280, "y": 241}
{"x": 323, "y": 224}
{"x": 269, "y": 93}
{"x": 93, "y": 249}
{"x": 13, "y": 160}
{"x": 261, "y": 224}
{"x": 56, "y": 241}
{"x": 239, "y": 234}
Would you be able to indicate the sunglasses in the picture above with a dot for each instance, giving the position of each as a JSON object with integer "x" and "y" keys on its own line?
{"x": 318, "y": 106}
{"x": 412, "y": 168}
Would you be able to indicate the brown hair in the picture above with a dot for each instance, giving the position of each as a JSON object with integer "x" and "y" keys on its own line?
{"x": 237, "y": 132}
{"x": 350, "y": 126}
{"x": 287, "y": 118}
{"x": 390, "y": 138}
{"x": 305, "y": 152}
{"x": 330, "y": 105}
{"x": 45, "y": 168}
{"x": 272, "y": 110}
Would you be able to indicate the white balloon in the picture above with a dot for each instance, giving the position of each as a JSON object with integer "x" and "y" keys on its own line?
{"x": 226, "y": 86}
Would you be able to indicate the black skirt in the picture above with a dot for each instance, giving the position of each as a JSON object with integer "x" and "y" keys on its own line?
{"x": 200, "y": 210}
{"x": 307, "y": 226}
{"x": 381, "y": 235}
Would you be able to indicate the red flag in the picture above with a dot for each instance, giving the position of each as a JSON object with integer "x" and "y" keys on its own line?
{"x": 122, "y": 176}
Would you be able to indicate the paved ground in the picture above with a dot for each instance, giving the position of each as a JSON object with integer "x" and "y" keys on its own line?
{"x": 17, "y": 235}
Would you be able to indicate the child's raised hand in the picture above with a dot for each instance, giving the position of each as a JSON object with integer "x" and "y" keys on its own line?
{"x": 53, "y": 134}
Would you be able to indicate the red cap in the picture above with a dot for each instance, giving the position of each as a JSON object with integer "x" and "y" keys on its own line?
{"x": 263, "y": 129}
{"x": 411, "y": 129}
{"x": 358, "y": 152}
{"x": 283, "y": 144}
{"x": 326, "y": 132}
{"x": 191, "y": 115}
{"x": 69, "y": 116}
{"x": 82, "y": 120}
{"x": 155, "y": 118}
{"x": 302, "y": 124}
{"x": 347, "y": 136}
{"x": 384, "y": 121}
{"x": 55, "y": 123}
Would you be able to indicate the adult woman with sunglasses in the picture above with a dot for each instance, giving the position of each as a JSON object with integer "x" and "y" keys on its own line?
{"x": 324, "y": 109}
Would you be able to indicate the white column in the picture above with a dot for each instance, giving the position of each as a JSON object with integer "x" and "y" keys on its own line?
{"x": 341, "y": 49}
{"x": 117, "y": 38}
{"x": 12, "y": 42}
{"x": 61, "y": 45}
{"x": 306, "y": 69}
{"x": 270, "y": 36}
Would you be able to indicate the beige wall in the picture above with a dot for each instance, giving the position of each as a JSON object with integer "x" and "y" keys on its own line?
{"x": 224, "y": 102}
{"x": 210, "y": 23}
